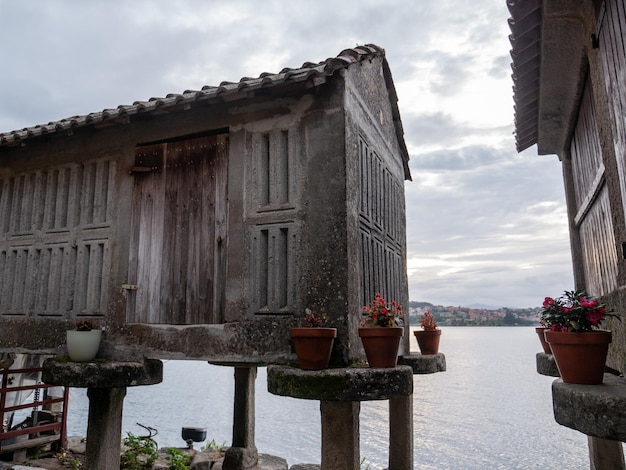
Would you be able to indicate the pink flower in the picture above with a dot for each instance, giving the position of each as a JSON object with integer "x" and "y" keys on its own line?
{"x": 548, "y": 302}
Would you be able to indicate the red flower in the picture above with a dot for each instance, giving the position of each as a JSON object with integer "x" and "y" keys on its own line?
{"x": 595, "y": 318}
{"x": 587, "y": 303}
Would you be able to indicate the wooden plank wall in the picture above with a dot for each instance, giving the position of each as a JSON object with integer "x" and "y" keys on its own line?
{"x": 613, "y": 52}
{"x": 593, "y": 218}
{"x": 54, "y": 240}
{"x": 380, "y": 220}
{"x": 178, "y": 232}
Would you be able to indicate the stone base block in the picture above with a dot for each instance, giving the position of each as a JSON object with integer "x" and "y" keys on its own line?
{"x": 424, "y": 364}
{"x": 546, "y": 365}
{"x": 266, "y": 462}
{"x": 101, "y": 374}
{"x": 345, "y": 384}
{"x": 594, "y": 410}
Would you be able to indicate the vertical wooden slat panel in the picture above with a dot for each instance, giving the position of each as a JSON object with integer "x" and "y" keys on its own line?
{"x": 598, "y": 243}
{"x": 175, "y": 264}
{"x": 585, "y": 149}
{"x": 4, "y": 204}
{"x": 3, "y": 286}
{"x": 613, "y": 53}
{"x": 380, "y": 217}
{"x": 218, "y": 233}
{"x": 154, "y": 246}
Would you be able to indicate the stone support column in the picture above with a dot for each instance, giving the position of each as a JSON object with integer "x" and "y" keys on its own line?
{"x": 340, "y": 435}
{"x": 243, "y": 452}
{"x": 340, "y": 392}
{"x": 106, "y": 383}
{"x": 605, "y": 454}
{"x": 400, "y": 432}
{"x": 104, "y": 427}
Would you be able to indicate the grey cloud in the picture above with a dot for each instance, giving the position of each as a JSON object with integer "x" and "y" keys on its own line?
{"x": 65, "y": 58}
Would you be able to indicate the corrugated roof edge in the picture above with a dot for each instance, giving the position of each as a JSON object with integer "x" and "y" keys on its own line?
{"x": 308, "y": 71}
{"x": 525, "y": 25}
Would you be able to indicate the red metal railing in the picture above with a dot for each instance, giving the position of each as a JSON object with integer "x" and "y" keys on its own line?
{"x": 59, "y": 428}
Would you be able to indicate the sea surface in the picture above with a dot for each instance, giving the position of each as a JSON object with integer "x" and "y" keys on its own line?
{"x": 489, "y": 410}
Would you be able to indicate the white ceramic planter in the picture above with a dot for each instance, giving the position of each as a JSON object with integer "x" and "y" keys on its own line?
{"x": 82, "y": 346}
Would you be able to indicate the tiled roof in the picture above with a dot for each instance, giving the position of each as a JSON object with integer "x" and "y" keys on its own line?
{"x": 525, "y": 24}
{"x": 315, "y": 73}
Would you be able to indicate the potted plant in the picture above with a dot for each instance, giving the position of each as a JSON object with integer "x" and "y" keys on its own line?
{"x": 578, "y": 345}
{"x": 428, "y": 337}
{"x": 313, "y": 342}
{"x": 84, "y": 341}
{"x": 540, "y": 330}
{"x": 380, "y": 332}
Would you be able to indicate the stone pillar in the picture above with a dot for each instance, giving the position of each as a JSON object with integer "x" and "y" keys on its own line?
{"x": 605, "y": 454}
{"x": 340, "y": 435}
{"x": 340, "y": 392}
{"x": 106, "y": 383}
{"x": 104, "y": 427}
{"x": 243, "y": 453}
{"x": 400, "y": 432}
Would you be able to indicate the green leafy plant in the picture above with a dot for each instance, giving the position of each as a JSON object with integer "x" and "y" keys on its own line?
{"x": 574, "y": 311}
{"x": 213, "y": 445}
{"x": 177, "y": 459}
{"x": 66, "y": 459}
{"x": 367, "y": 466}
{"x": 139, "y": 453}
{"x": 381, "y": 313}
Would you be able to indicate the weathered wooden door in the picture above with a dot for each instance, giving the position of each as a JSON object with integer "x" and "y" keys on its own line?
{"x": 179, "y": 232}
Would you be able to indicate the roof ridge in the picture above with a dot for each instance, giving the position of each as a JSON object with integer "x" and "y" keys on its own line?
{"x": 308, "y": 71}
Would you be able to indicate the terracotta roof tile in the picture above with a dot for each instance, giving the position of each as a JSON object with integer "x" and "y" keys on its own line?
{"x": 308, "y": 71}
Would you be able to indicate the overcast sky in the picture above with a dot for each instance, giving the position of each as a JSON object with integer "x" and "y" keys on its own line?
{"x": 484, "y": 224}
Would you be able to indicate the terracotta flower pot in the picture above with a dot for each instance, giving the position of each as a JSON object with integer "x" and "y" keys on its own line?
{"x": 82, "y": 346}
{"x": 381, "y": 345}
{"x": 313, "y": 346}
{"x": 542, "y": 339}
{"x": 580, "y": 357}
{"x": 428, "y": 341}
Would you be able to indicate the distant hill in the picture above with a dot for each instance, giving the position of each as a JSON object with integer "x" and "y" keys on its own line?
{"x": 475, "y": 315}
{"x": 483, "y": 307}
{"x": 416, "y": 304}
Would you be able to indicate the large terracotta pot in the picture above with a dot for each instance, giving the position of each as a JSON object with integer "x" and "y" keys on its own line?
{"x": 313, "y": 346}
{"x": 381, "y": 345}
{"x": 428, "y": 341}
{"x": 82, "y": 346}
{"x": 542, "y": 339}
{"x": 580, "y": 357}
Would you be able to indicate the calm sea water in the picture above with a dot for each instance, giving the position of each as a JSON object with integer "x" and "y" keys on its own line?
{"x": 489, "y": 410}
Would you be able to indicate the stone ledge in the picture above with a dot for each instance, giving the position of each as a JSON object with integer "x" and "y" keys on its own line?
{"x": 594, "y": 410}
{"x": 101, "y": 374}
{"x": 424, "y": 364}
{"x": 546, "y": 365}
{"x": 345, "y": 384}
